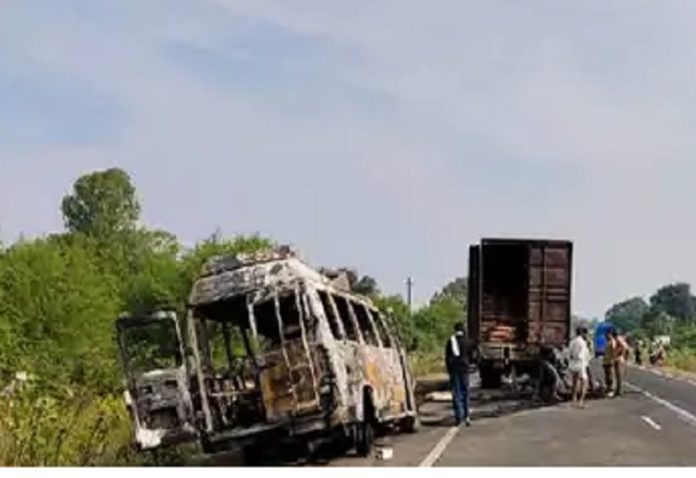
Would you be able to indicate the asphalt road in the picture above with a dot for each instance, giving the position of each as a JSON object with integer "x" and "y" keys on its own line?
{"x": 654, "y": 423}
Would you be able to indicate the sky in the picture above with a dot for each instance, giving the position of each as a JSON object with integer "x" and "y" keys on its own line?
{"x": 384, "y": 135}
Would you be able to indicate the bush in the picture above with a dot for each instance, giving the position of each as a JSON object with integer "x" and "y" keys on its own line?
{"x": 682, "y": 358}
{"x": 77, "y": 429}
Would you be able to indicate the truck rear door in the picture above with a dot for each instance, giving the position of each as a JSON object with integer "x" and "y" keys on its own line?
{"x": 550, "y": 268}
{"x": 474, "y": 292}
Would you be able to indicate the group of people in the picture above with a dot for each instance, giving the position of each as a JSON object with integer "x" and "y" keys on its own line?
{"x": 614, "y": 357}
{"x": 657, "y": 353}
{"x": 461, "y": 352}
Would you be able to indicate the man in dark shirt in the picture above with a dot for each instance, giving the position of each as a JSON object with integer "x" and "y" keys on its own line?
{"x": 459, "y": 353}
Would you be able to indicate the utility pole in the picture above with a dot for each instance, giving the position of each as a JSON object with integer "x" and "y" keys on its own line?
{"x": 409, "y": 293}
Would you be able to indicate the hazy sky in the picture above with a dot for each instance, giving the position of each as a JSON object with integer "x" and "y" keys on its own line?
{"x": 386, "y": 135}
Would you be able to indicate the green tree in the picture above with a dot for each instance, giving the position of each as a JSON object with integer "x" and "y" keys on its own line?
{"x": 457, "y": 289}
{"x": 435, "y": 322}
{"x": 101, "y": 204}
{"x": 366, "y": 285}
{"x": 627, "y": 315}
{"x": 192, "y": 260}
{"x": 396, "y": 309}
{"x": 675, "y": 300}
{"x": 657, "y": 322}
{"x": 56, "y": 315}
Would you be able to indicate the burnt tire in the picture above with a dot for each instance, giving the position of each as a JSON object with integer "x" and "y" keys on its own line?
{"x": 364, "y": 438}
{"x": 491, "y": 378}
{"x": 365, "y": 430}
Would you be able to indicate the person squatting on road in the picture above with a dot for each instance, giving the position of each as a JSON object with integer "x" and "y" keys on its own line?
{"x": 578, "y": 362}
{"x": 549, "y": 384}
{"x": 459, "y": 353}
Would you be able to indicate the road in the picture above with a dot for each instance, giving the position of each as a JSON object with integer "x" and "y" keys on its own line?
{"x": 637, "y": 429}
{"x": 654, "y": 423}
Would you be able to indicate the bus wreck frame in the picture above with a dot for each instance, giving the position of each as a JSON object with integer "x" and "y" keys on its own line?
{"x": 273, "y": 349}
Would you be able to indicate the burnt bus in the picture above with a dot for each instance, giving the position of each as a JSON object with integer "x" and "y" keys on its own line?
{"x": 519, "y": 302}
{"x": 269, "y": 349}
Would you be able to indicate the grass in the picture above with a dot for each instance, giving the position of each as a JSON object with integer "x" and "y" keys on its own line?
{"x": 427, "y": 363}
{"x": 682, "y": 359}
{"x": 76, "y": 429}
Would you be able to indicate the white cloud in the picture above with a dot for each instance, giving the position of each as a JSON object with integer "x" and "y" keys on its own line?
{"x": 394, "y": 134}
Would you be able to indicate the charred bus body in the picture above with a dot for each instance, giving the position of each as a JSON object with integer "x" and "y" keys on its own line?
{"x": 270, "y": 348}
{"x": 519, "y": 302}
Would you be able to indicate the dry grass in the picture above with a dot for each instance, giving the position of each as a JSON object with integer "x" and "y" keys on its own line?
{"x": 41, "y": 430}
{"x": 426, "y": 364}
{"x": 682, "y": 359}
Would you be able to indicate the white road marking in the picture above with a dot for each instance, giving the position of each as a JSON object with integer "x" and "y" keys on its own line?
{"x": 651, "y": 422}
{"x": 683, "y": 414}
{"x": 436, "y": 452}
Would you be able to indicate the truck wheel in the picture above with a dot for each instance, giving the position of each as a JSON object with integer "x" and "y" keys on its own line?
{"x": 490, "y": 376}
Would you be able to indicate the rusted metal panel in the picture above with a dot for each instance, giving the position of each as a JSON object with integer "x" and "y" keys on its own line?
{"x": 474, "y": 292}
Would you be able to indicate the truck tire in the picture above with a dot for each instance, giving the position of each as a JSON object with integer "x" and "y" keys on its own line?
{"x": 491, "y": 377}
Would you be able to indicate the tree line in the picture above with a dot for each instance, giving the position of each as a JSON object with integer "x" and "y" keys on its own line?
{"x": 670, "y": 311}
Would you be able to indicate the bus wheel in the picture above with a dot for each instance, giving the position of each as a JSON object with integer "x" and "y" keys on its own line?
{"x": 365, "y": 430}
{"x": 409, "y": 424}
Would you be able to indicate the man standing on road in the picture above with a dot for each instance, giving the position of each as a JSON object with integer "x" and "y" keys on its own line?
{"x": 608, "y": 363}
{"x": 620, "y": 352}
{"x": 638, "y": 353}
{"x": 459, "y": 352}
{"x": 578, "y": 362}
{"x": 590, "y": 376}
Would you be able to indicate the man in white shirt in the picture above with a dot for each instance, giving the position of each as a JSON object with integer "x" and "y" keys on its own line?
{"x": 579, "y": 360}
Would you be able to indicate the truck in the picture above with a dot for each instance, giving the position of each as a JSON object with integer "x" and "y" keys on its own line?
{"x": 269, "y": 350}
{"x": 600, "y": 337}
{"x": 519, "y": 302}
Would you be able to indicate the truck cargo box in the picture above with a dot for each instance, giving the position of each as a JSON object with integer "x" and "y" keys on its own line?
{"x": 519, "y": 297}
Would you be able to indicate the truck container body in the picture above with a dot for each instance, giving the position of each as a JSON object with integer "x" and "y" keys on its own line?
{"x": 519, "y": 302}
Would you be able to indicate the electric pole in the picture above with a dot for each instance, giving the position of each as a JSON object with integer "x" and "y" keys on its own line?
{"x": 409, "y": 293}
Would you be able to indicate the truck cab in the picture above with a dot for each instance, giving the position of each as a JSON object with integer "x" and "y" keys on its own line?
{"x": 157, "y": 384}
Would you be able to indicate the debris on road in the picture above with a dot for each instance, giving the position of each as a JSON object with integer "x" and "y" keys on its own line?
{"x": 385, "y": 454}
{"x": 439, "y": 397}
